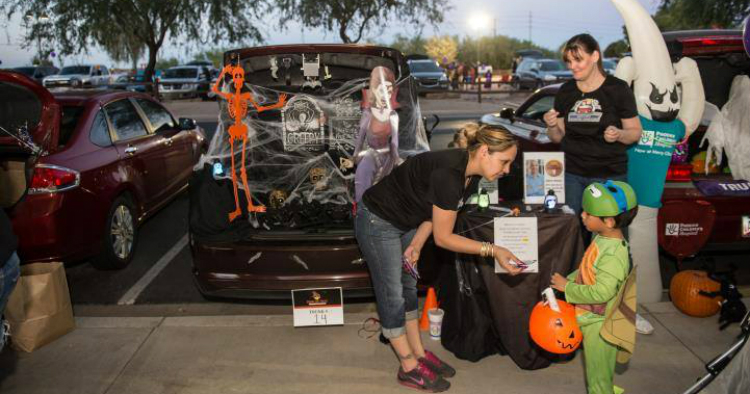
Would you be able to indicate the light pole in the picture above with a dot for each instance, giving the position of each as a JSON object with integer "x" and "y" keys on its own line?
{"x": 479, "y": 23}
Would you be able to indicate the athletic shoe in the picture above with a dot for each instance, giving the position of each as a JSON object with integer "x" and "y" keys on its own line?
{"x": 643, "y": 326}
{"x": 437, "y": 365}
{"x": 422, "y": 378}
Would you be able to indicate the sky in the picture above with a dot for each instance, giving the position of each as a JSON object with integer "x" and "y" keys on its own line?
{"x": 548, "y": 22}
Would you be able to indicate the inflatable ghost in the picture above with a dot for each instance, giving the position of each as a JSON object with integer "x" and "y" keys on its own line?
{"x": 376, "y": 149}
{"x": 670, "y": 101}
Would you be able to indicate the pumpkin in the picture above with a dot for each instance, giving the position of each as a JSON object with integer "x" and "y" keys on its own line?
{"x": 555, "y": 332}
{"x": 685, "y": 288}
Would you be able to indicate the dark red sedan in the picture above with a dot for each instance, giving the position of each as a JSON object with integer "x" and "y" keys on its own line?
{"x": 79, "y": 171}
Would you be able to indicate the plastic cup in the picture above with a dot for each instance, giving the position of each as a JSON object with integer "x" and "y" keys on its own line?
{"x": 436, "y": 322}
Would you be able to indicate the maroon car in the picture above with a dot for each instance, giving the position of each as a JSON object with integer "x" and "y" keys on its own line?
{"x": 79, "y": 171}
{"x": 720, "y": 56}
{"x": 300, "y": 165}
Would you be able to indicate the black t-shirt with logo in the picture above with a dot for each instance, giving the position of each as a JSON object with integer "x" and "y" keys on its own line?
{"x": 405, "y": 197}
{"x": 586, "y": 116}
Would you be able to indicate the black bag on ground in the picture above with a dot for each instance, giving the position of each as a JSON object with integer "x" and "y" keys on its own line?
{"x": 467, "y": 329}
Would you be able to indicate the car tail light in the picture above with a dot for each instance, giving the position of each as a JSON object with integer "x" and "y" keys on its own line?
{"x": 679, "y": 172}
{"x": 52, "y": 179}
{"x": 706, "y": 45}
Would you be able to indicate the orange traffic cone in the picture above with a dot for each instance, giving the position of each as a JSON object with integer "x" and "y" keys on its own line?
{"x": 429, "y": 303}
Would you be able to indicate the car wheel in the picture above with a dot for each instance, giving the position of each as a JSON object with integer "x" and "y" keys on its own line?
{"x": 120, "y": 236}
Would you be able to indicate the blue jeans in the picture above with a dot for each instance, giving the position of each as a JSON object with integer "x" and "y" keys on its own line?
{"x": 382, "y": 245}
{"x": 574, "y": 185}
{"x": 8, "y": 278}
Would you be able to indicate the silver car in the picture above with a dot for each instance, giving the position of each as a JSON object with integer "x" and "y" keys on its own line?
{"x": 185, "y": 82}
{"x": 79, "y": 76}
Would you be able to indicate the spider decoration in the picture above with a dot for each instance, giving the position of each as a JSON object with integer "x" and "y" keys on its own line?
{"x": 238, "y": 106}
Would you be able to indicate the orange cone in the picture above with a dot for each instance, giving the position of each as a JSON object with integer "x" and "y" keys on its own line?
{"x": 429, "y": 303}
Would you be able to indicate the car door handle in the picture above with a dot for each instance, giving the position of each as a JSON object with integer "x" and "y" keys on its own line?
{"x": 167, "y": 141}
{"x": 130, "y": 150}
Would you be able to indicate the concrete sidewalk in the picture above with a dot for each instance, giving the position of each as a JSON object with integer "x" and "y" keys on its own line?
{"x": 265, "y": 354}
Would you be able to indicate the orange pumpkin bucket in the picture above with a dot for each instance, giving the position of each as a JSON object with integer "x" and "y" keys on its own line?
{"x": 555, "y": 332}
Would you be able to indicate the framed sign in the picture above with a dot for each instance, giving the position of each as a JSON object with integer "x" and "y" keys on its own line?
{"x": 318, "y": 307}
{"x": 542, "y": 172}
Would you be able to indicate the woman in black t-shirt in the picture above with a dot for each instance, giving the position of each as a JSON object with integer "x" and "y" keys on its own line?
{"x": 594, "y": 119}
{"x": 395, "y": 218}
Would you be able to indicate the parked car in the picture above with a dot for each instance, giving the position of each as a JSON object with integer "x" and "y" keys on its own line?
{"x": 300, "y": 166}
{"x": 37, "y": 73}
{"x": 610, "y": 65}
{"x": 430, "y": 77}
{"x": 94, "y": 166}
{"x": 713, "y": 50}
{"x": 79, "y": 76}
{"x": 534, "y": 73}
{"x": 185, "y": 82}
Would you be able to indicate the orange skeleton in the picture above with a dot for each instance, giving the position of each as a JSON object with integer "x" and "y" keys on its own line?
{"x": 237, "y": 111}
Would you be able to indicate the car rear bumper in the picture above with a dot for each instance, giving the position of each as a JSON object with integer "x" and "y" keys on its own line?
{"x": 727, "y": 229}
{"x": 57, "y": 227}
{"x": 246, "y": 269}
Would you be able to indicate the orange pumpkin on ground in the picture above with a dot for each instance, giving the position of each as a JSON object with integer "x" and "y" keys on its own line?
{"x": 685, "y": 293}
{"x": 555, "y": 332}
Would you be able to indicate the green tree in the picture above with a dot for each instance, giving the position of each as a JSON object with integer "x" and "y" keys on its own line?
{"x": 701, "y": 14}
{"x": 352, "y": 18}
{"x": 75, "y": 25}
{"x": 122, "y": 47}
{"x": 409, "y": 46}
{"x": 444, "y": 49}
{"x": 215, "y": 56}
{"x": 163, "y": 64}
{"x": 616, "y": 49}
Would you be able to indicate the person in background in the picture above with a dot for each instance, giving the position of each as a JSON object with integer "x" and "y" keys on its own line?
{"x": 9, "y": 270}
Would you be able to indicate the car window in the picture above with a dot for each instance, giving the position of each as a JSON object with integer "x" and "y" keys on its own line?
{"x": 125, "y": 120}
{"x": 99, "y": 134}
{"x": 105, "y": 71}
{"x": 180, "y": 73}
{"x": 536, "y": 110}
{"x": 159, "y": 117}
{"x": 71, "y": 70}
{"x": 68, "y": 123}
{"x": 552, "y": 66}
{"x": 19, "y": 108}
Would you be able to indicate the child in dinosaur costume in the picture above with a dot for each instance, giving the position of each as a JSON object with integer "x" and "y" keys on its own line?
{"x": 602, "y": 286}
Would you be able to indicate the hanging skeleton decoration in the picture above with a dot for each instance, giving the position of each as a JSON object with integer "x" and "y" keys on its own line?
{"x": 670, "y": 102}
{"x": 237, "y": 108}
{"x": 376, "y": 149}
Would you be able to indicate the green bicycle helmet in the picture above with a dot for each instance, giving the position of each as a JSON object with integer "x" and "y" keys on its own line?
{"x": 608, "y": 199}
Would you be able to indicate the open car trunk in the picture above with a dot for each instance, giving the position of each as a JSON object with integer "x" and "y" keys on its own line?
{"x": 29, "y": 121}
{"x": 298, "y": 158}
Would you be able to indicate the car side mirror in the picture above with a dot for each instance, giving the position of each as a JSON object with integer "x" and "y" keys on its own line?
{"x": 507, "y": 113}
{"x": 187, "y": 124}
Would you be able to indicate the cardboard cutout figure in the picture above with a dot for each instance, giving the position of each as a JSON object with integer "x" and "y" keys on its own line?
{"x": 670, "y": 101}
{"x": 376, "y": 150}
{"x": 238, "y": 102}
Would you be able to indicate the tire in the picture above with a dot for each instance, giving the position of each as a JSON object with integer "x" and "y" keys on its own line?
{"x": 120, "y": 236}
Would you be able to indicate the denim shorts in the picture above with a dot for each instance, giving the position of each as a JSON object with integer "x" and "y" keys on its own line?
{"x": 382, "y": 245}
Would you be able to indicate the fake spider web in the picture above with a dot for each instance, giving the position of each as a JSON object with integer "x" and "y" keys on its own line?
{"x": 299, "y": 159}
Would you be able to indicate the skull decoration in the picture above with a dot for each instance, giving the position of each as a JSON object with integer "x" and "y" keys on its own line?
{"x": 277, "y": 198}
{"x": 555, "y": 332}
{"x": 318, "y": 178}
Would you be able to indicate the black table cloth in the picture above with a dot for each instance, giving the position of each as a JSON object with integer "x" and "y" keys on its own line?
{"x": 508, "y": 300}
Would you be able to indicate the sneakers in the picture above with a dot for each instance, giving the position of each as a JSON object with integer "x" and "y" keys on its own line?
{"x": 423, "y": 378}
{"x": 643, "y": 326}
{"x": 437, "y": 365}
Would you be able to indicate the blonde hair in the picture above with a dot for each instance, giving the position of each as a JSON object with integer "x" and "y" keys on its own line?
{"x": 497, "y": 138}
